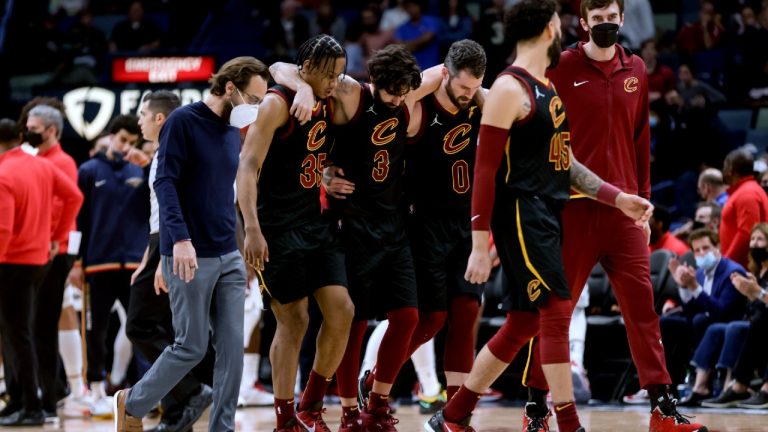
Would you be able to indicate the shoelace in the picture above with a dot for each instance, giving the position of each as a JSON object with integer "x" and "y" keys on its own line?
{"x": 671, "y": 411}
{"x": 383, "y": 413}
{"x": 536, "y": 424}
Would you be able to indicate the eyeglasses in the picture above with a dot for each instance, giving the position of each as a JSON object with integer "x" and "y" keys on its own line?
{"x": 248, "y": 98}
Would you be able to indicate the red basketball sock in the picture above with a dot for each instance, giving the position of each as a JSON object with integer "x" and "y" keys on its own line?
{"x": 461, "y": 405}
{"x": 284, "y": 411}
{"x": 567, "y": 417}
{"x": 451, "y": 390}
{"x": 317, "y": 385}
{"x": 349, "y": 412}
{"x": 376, "y": 401}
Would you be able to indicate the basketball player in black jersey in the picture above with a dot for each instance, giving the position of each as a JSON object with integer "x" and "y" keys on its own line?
{"x": 369, "y": 157}
{"x": 288, "y": 239}
{"x": 523, "y": 149}
{"x": 440, "y": 162}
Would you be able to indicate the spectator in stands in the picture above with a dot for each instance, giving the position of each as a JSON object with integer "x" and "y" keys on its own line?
{"x": 695, "y": 94}
{"x": 638, "y": 23}
{"x": 712, "y": 187}
{"x": 704, "y": 34}
{"x": 754, "y": 352}
{"x": 662, "y": 83}
{"x": 569, "y": 26}
{"x": 84, "y": 50}
{"x": 114, "y": 226}
{"x": 747, "y": 205}
{"x": 490, "y": 34}
{"x": 374, "y": 38}
{"x": 28, "y": 241}
{"x": 286, "y": 33}
{"x": 707, "y": 216}
{"x": 455, "y": 24}
{"x": 326, "y": 21}
{"x": 661, "y": 238}
{"x": 420, "y": 34}
{"x": 135, "y": 33}
{"x": 707, "y": 296}
{"x": 751, "y": 55}
{"x": 394, "y": 17}
{"x": 353, "y": 45}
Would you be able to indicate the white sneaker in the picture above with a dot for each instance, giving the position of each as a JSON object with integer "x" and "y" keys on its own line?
{"x": 255, "y": 396}
{"x": 639, "y": 398}
{"x": 74, "y": 406}
{"x": 101, "y": 408}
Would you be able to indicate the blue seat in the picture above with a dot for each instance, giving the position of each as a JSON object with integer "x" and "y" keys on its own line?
{"x": 758, "y": 137}
{"x": 736, "y": 119}
{"x": 762, "y": 119}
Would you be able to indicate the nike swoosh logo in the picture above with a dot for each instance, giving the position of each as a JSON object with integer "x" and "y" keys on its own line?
{"x": 576, "y": 84}
{"x": 100, "y": 183}
{"x": 309, "y": 429}
{"x": 560, "y": 408}
{"x": 475, "y": 217}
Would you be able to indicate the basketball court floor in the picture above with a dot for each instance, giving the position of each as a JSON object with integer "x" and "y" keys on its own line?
{"x": 487, "y": 418}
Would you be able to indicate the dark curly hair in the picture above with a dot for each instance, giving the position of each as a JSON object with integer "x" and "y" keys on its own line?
{"x": 394, "y": 69}
{"x": 527, "y": 19}
{"x": 466, "y": 55}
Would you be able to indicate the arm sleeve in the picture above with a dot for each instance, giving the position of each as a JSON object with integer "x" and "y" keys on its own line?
{"x": 490, "y": 150}
{"x": 643, "y": 142}
{"x": 85, "y": 183}
{"x": 170, "y": 160}
{"x": 7, "y": 213}
{"x": 67, "y": 191}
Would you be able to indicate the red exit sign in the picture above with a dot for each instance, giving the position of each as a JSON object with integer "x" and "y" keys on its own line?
{"x": 162, "y": 69}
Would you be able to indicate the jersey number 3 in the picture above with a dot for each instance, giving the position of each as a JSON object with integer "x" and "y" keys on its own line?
{"x": 380, "y": 165}
{"x": 313, "y": 170}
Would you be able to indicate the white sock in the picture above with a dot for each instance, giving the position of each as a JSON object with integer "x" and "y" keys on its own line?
{"x": 71, "y": 350}
{"x": 99, "y": 389}
{"x": 577, "y": 335}
{"x": 250, "y": 370}
{"x": 372, "y": 348}
{"x": 123, "y": 351}
{"x": 424, "y": 363}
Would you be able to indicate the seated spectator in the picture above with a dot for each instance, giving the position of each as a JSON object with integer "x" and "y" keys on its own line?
{"x": 394, "y": 17}
{"x": 490, "y": 34}
{"x": 712, "y": 187}
{"x": 707, "y": 216}
{"x": 638, "y": 23}
{"x": 695, "y": 94}
{"x": 661, "y": 79}
{"x": 419, "y": 34}
{"x": 456, "y": 24}
{"x": 661, "y": 238}
{"x": 704, "y": 34}
{"x": 374, "y": 38}
{"x": 753, "y": 352}
{"x": 286, "y": 32}
{"x": 569, "y": 26}
{"x": 327, "y": 22}
{"x": 84, "y": 50}
{"x": 136, "y": 33}
{"x": 707, "y": 296}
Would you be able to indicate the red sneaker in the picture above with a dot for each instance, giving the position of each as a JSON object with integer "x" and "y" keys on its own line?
{"x": 312, "y": 419}
{"x": 380, "y": 420}
{"x": 292, "y": 425}
{"x": 665, "y": 418}
{"x": 533, "y": 420}
{"x": 438, "y": 423}
{"x": 352, "y": 423}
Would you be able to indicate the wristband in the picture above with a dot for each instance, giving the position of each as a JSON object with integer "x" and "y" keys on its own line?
{"x": 607, "y": 194}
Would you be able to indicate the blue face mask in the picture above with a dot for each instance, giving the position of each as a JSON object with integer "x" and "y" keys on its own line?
{"x": 706, "y": 262}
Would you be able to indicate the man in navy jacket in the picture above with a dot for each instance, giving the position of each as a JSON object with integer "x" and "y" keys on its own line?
{"x": 707, "y": 296}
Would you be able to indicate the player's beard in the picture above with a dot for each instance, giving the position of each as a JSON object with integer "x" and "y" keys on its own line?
{"x": 461, "y": 102}
{"x": 554, "y": 51}
{"x": 389, "y": 106}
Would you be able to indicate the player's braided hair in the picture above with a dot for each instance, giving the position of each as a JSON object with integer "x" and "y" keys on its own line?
{"x": 321, "y": 52}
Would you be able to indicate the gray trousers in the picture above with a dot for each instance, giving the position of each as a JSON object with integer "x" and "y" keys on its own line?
{"x": 213, "y": 300}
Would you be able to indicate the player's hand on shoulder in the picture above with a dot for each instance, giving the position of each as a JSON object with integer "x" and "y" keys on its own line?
{"x": 638, "y": 208}
{"x": 478, "y": 266}
{"x": 335, "y": 183}
{"x": 255, "y": 249}
{"x": 303, "y": 103}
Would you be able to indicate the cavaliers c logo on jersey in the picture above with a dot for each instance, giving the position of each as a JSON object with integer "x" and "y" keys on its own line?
{"x": 630, "y": 84}
{"x": 533, "y": 290}
{"x": 313, "y": 142}
{"x": 450, "y": 146}
{"x": 557, "y": 111}
{"x": 384, "y": 132}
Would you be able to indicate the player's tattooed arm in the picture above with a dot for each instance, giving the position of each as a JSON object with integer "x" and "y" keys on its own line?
{"x": 584, "y": 180}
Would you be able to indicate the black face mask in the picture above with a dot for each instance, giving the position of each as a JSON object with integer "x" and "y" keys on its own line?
{"x": 696, "y": 225}
{"x": 34, "y": 138}
{"x": 605, "y": 35}
{"x": 758, "y": 254}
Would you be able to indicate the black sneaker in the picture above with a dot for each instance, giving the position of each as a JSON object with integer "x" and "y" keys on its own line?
{"x": 439, "y": 424}
{"x": 362, "y": 391}
{"x": 194, "y": 409}
{"x": 758, "y": 400}
{"x": 536, "y": 418}
{"x": 693, "y": 400}
{"x": 727, "y": 399}
{"x": 23, "y": 417}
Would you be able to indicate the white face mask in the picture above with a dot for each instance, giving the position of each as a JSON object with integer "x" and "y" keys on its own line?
{"x": 244, "y": 114}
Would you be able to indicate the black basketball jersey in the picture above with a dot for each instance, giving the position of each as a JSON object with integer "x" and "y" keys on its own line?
{"x": 371, "y": 150}
{"x": 289, "y": 182}
{"x": 537, "y": 159}
{"x": 442, "y": 158}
